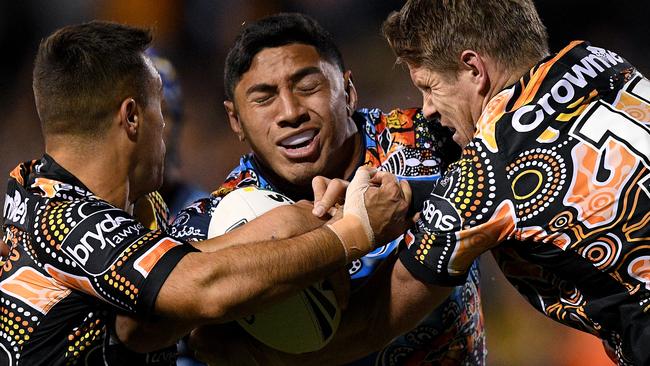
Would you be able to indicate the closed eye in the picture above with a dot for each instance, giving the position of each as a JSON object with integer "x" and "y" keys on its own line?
{"x": 312, "y": 87}
{"x": 309, "y": 83}
{"x": 262, "y": 99}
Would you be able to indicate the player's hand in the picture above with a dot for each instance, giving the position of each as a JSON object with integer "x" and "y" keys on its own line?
{"x": 374, "y": 212}
{"x": 387, "y": 201}
{"x": 229, "y": 345}
{"x": 327, "y": 194}
{"x": 380, "y": 202}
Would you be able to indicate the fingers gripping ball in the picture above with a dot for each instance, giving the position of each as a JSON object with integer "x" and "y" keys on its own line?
{"x": 305, "y": 322}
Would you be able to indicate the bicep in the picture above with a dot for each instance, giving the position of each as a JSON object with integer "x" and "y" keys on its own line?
{"x": 411, "y": 299}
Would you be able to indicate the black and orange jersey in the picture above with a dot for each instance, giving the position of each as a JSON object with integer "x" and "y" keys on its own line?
{"x": 558, "y": 169}
{"x": 74, "y": 262}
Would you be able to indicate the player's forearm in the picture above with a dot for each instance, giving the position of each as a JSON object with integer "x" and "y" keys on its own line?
{"x": 280, "y": 223}
{"x": 230, "y": 283}
{"x": 241, "y": 280}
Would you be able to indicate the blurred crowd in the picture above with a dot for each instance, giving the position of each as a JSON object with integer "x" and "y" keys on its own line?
{"x": 196, "y": 34}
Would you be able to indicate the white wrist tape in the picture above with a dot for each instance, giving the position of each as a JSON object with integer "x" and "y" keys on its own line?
{"x": 354, "y": 228}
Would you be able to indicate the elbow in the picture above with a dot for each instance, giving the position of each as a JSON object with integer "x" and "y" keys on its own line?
{"x": 133, "y": 335}
{"x": 213, "y": 310}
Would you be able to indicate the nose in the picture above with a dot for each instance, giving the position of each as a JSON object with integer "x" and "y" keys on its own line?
{"x": 292, "y": 110}
{"x": 428, "y": 108}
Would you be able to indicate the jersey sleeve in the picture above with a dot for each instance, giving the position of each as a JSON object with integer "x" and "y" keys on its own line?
{"x": 93, "y": 247}
{"x": 192, "y": 223}
{"x": 468, "y": 212}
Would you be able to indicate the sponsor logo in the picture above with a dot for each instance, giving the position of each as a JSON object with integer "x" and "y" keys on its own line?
{"x": 440, "y": 215}
{"x": 446, "y": 183}
{"x": 15, "y": 209}
{"x": 529, "y": 117}
{"x": 98, "y": 232}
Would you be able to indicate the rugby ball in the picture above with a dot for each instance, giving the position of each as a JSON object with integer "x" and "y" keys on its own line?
{"x": 303, "y": 323}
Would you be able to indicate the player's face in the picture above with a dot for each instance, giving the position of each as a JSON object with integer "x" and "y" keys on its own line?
{"x": 451, "y": 99}
{"x": 151, "y": 151}
{"x": 291, "y": 108}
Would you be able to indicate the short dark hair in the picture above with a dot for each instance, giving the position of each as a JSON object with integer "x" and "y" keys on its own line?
{"x": 275, "y": 31}
{"x": 83, "y": 72}
{"x": 433, "y": 33}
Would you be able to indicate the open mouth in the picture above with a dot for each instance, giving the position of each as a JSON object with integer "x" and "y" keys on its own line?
{"x": 302, "y": 145}
{"x": 300, "y": 140}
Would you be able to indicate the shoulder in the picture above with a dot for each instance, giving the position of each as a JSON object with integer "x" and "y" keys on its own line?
{"x": 85, "y": 231}
{"x": 395, "y": 120}
{"x": 243, "y": 175}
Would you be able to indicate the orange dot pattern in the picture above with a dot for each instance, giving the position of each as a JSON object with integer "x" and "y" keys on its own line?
{"x": 83, "y": 338}
{"x": 16, "y": 325}
{"x": 550, "y": 167}
{"x": 473, "y": 194}
{"x": 54, "y": 226}
{"x": 117, "y": 287}
{"x": 160, "y": 208}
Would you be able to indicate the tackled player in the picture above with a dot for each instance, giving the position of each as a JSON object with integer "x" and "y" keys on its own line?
{"x": 291, "y": 98}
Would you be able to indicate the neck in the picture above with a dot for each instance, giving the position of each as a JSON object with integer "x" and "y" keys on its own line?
{"x": 97, "y": 166}
{"x": 501, "y": 78}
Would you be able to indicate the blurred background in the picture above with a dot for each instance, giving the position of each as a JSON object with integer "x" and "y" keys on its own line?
{"x": 196, "y": 34}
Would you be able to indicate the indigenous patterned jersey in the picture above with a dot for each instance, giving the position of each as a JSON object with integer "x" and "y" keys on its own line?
{"x": 406, "y": 144}
{"x": 75, "y": 260}
{"x": 559, "y": 166}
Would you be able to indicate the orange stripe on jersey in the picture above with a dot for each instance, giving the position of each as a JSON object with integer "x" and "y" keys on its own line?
{"x": 79, "y": 283}
{"x": 17, "y": 176}
{"x": 476, "y": 240}
{"x": 487, "y": 122}
{"x": 539, "y": 76}
{"x": 34, "y": 289}
{"x": 148, "y": 260}
{"x": 639, "y": 268}
{"x": 46, "y": 185}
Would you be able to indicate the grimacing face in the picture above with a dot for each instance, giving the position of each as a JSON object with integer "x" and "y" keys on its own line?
{"x": 454, "y": 100}
{"x": 151, "y": 150}
{"x": 290, "y": 106}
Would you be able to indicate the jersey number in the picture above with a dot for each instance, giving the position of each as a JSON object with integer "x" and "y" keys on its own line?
{"x": 601, "y": 122}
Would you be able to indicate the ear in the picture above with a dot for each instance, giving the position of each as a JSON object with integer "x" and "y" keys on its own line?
{"x": 128, "y": 117}
{"x": 350, "y": 92}
{"x": 475, "y": 68}
{"x": 233, "y": 119}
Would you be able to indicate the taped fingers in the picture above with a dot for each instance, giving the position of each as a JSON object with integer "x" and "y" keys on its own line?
{"x": 327, "y": 193}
